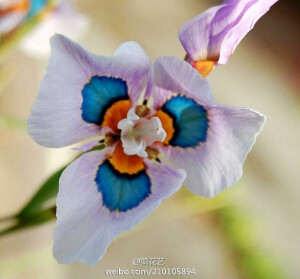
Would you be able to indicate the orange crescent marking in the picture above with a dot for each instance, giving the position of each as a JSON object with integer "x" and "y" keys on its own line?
{"x": 115, "y": 113}
{"x": 124, "y": 163}
{"x": 167, "y": 124}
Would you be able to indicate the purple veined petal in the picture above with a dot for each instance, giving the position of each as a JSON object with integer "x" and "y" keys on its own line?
{"x": 194, "y": 35}
{"x": 56, "y": 117}
{"x": 172, "y": 75}
{"x": 85, "y": 226}
{"x": 210, "y": 141}
{"x": 136, "y": 66}
{"x": 214, "y": 34}
{"x": 149, "y": 87}
{"x": 217, "y": 164}
{"x": 240, "y": 30}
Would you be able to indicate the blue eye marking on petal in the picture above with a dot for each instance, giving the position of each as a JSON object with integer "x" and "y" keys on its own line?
{"x": 99, "y": 94}
{"x": 36, "y": 6}
{"x": 190, "y": 121}
{"x": 121, "y": 191}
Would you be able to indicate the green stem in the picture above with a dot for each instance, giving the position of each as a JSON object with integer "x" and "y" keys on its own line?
{"x": 241, "y": 237}
{"x": 7, "y": 218}
{"x": 11, "y": 122}
{"x": 32, "y": 221}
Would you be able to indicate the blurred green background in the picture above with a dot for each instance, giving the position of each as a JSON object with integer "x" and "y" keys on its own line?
{"x": 250, "y": 231}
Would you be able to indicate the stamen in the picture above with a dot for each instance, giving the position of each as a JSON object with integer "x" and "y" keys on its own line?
{"x": 138, "y": 132}
{"x": 110, "y": 139}
{"x": 142, "y": 110}
{"x": 152, "y": 153}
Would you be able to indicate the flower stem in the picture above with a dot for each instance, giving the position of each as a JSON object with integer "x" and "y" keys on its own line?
{"x": 31, "y": 221}
{"x": 7, "y": 218}
{"x": 13, "y": 123}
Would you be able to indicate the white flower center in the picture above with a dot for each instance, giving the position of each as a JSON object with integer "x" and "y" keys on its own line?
{"x": 137, "y": 133}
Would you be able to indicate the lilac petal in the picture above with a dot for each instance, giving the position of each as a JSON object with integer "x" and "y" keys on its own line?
{"x": 218, "y": 163}
{"x": 224, "y": 141}
{"x": 214, "y": 34}
{"x": 85, "y": 226}
{"x": 149, "y": 87}
{"x": 56, "y": 119}
{"x": 87, "y": 146}
{"x": 172, "y": 75}
{"x": 134, "y": 68}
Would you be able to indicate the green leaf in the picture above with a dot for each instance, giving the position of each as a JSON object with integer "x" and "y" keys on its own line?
{"x": 47, "y": 192}
{"x": 34, "y": 220}
{"x": 40, "y": 208}
{"x": 7, "y": 218}
{"x": 39, "y": 201}
{"x": 243, "y": 239}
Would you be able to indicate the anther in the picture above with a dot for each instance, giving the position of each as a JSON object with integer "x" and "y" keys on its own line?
{"x": 142, "y": 110}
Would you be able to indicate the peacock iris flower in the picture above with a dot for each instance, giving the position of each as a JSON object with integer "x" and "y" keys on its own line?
{"x": 211, "y": 37}
{"x": 160, "y": 126}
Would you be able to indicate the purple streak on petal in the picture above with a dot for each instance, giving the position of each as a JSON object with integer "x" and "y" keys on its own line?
{"x": 235, "y": 12}
{"x": 214, "y": 34}
{"x": 240, "y": 30}
{"x": 85, "y": 227}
